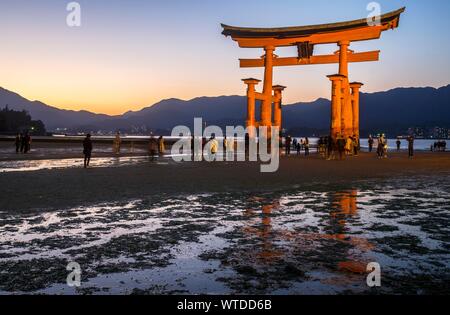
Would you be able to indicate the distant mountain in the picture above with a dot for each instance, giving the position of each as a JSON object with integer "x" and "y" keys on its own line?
{"x": 392, "y": 112}
{"x": 51, "y": 116}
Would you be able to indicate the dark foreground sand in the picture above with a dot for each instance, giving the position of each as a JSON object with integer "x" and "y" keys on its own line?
{"x": 63, "y": 188}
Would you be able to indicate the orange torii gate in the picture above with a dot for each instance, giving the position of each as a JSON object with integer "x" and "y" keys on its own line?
{"x": 345, "y": 95}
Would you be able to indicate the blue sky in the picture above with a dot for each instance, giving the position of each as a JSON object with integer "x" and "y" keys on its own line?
{"x": 130, "y": 54}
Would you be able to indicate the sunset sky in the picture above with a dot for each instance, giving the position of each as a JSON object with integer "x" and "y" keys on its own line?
{"x": 130, "y": 54}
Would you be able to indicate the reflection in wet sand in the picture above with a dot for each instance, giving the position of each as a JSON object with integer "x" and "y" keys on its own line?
{"x": 299, "y": 241}
{"x": 36, "y": 165}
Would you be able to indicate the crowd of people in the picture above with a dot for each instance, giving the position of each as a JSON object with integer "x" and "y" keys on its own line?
{"x": 155, "y": 147}
{"x": 439, "y": 146}
{"x": 338, "y": 147}
{"x": 297, "y": 146}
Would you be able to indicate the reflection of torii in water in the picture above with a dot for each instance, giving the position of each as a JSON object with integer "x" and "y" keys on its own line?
{"x": 344, "y": 206}
{"x": 265, "y": 232}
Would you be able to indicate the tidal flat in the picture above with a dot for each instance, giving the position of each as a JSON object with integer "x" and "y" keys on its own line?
{"x": 310, "y": 239}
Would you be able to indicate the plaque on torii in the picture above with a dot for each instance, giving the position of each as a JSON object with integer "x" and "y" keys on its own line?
{"x": 345, "y": 95}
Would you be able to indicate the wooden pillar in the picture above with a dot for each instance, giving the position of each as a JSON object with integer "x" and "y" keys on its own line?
{"x": 336, "y": 104}
{"x": 266, "y": 106}
{"x": 346, "y": 110}
{"x": 355, "y": 86}
{"x": 251, "y": 104}
{"x": 277, "y": 111}
{"x": 251, "y": 100}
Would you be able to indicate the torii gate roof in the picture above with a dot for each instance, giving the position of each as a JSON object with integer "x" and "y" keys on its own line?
{"x": 282, "y": 36}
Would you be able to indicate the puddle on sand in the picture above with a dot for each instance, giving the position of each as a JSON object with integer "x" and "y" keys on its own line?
{"x": 289, "y": 242}
{"x": 36, "y": 165}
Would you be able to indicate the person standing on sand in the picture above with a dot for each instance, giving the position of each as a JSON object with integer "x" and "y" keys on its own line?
{"x": 370, "y": 144}
{"x": 26, "y": 143}
{"x": 384, "y": 146}
{"x": 247, "y": 144}
{"x": 410, "y": 146}
{"x": 161, "y": 146}
{"x": 116, "y": 143}
{"x": 306, "y": 144}
{"x": 288, "y": 145}
{"x": 87, "y": 150}
{"x": 341, "y": 147}
{"x": 152, "y": 146}
{"x": 225, "y": 146}
{"x": 355, "y": 145}
{"x": 398, "y": 143}
{"x": 214, "y": 146}
{"x": 332, "y": 147}
{"x": 23, "y": 143}
{"x": 193, "y": 148}
{"x": 380, "y": 146}
{"x": 348, "y": 146}
{"x": 229, "y": 148}
{"x": 17, "y": 142}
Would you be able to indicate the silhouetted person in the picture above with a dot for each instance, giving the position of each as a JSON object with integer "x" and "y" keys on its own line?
{"x": 410, "y": 146}
{"x": 288, "y": 145}
{"x": 87, "y": 150}
{"x": 18, "y": 141}
{"x": 399, "y": 143}
{"x": 247, "y": 143}
{"x": 341, "y": 146}
{"x": 332, "y": 147}
{"x": 298, "y": 148}
{"x": 355, "y": 145}
{"x": 193, "y": 147}
{"x": 326, "y": 145}
{"x": 306, "y": 145}
{"x": 117, "y": 143}
{"x": 371, "y": 144}
{"x": 152, "y": 146}
{"x": 22, "y": 144}
{"x": 25, "y": 145}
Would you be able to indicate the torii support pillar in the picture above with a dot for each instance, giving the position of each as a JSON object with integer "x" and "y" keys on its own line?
{"x": 251, "y": 101}
{"x": 266, "y": 105}
{"x": 346, "y": 110}
{"x": 355, "y": 86}
{"x": 336, "y": 105}
{"x": 277, "y": 111}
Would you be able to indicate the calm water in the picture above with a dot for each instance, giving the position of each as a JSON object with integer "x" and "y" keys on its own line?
{"x": 35, "y": 165}
{"x": 317, "y": 239}
{"x": 419, "y": 144}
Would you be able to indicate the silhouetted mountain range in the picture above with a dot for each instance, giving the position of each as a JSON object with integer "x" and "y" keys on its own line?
{"x": 393, "y": 112}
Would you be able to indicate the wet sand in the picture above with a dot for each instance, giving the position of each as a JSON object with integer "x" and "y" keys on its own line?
{"x": 138, "y": 226}
{"x": 64, "y": 188}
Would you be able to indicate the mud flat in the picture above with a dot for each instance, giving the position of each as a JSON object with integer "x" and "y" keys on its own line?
{"x": 161, "y": 227}
{"x": 302, "y": 240}
{"x": 74, "y": 186}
